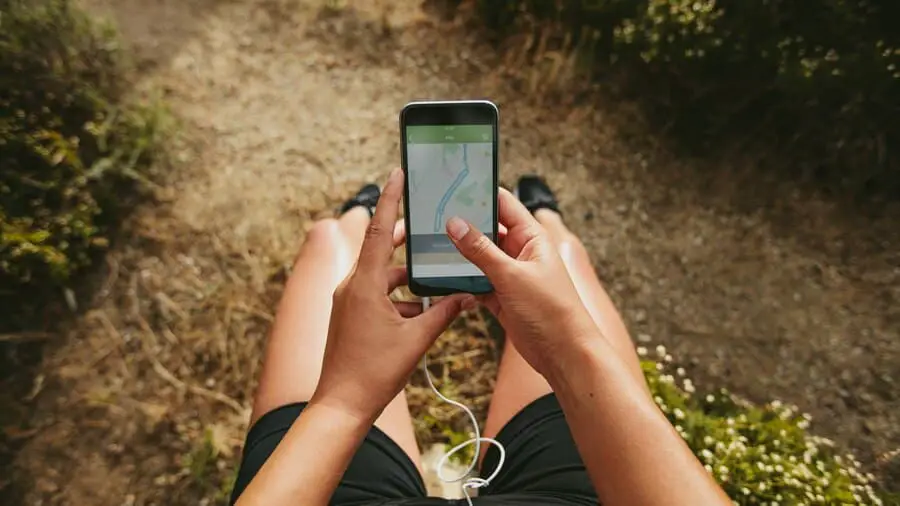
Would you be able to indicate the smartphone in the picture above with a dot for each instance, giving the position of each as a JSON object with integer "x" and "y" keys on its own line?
{"x": 449, "y": 155}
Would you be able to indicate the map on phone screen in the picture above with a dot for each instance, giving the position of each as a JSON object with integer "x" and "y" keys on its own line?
{"x": 450, "y": 173}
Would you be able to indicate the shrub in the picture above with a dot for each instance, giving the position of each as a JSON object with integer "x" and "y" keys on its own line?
{"x": 814, "y": 78}
{"x": 70, "y": 149}
{"x": 759, "y": 455}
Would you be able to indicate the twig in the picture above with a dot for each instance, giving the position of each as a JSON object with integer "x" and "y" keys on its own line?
{"x": 25, "y": 337}
{"x": 112, "y": 332}
{"x": 244, "y": 308}
{"x": 210, "y": 394}
{"x": 450, "y": 358}
{"x": 177, "y": 383}
{"x": 164, "y": 373}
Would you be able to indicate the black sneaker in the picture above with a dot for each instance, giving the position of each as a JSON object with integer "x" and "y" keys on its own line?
{"x": 367, "y": 197}
{"x": 534, "y": 194}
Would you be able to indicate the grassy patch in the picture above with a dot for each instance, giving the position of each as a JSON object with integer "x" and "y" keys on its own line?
{"x": 816, "y": 82}
{"x": 759, "y": 454}
{"x": 207, "y": 470}
{"x": 73, "y": 150}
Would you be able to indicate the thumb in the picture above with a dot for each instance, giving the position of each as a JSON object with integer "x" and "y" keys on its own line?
{"x": 476, "y": 247}
{"x": 439, "y": 316}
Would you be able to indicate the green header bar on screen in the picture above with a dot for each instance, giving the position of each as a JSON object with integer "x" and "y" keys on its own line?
{"x": 449, "y": 134}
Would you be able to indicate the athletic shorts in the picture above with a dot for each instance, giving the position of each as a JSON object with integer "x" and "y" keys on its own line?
{"x": 542, "y": 464}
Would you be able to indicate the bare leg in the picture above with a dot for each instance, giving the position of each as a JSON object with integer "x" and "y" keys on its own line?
{"x": 296, "y": 345}
{"x": 517, "y": 383}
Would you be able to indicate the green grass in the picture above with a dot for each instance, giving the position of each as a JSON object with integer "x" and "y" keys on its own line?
{"x": 758, "y": 454}
{"x": 75, "y": 150}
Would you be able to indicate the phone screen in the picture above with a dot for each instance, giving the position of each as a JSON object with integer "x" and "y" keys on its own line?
{"x": 450, "y": 172}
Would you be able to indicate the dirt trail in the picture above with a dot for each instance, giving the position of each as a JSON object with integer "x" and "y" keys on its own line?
{"x": 287, "y": 106}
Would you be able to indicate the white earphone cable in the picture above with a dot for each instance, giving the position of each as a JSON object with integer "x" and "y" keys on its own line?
{"x": 467, "y": 482}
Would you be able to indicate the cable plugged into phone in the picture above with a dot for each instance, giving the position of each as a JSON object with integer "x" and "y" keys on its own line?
{"x": 467, "y": 482}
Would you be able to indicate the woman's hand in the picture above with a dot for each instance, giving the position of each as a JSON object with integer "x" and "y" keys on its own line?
{"x": 534, "y": 298}
{"x": 374, "y": 343}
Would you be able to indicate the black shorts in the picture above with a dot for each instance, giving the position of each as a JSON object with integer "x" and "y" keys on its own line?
{"x": 542, "y": 464}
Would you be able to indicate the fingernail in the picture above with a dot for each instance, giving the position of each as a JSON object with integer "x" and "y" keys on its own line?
{"x": 395, "y": 174}
{"x": 457, "y": 228}
{"x": 469, "y": 303}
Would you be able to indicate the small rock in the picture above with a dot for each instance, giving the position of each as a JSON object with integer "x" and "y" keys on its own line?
{"x": 644, "y": 338}
{"x": 69, "y": 296}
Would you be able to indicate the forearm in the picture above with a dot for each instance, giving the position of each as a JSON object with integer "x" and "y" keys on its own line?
{"x": 632, "y": 453}
{"x": 309, "y": 462}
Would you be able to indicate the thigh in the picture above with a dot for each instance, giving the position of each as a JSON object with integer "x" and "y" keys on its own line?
{"x": 380, "y": 470}
{"x": 517, "y": 386}
{"x": 542, "y": 462}
{"x": 296, "y": 344}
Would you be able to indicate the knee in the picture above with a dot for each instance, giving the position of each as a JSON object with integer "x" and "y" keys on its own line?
{"x": 569, "y": 246}
{"x": 325, "y": 235}
{"x": 568, "y": 240}
{"x": 324, "y": 232}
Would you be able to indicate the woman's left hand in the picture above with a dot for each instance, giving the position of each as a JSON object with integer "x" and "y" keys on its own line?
{"x": 374, "y": 343}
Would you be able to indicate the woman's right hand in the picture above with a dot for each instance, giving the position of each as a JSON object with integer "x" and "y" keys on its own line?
{"x": 534, "y": 297}
{"x": 621, "y": 435}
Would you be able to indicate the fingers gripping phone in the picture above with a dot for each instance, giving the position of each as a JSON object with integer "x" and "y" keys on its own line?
{"x": 449, "y": 155}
